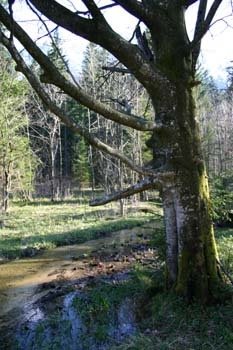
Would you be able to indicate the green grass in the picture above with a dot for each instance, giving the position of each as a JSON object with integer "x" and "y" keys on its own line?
{"x": 164, "y": 322}
{"x": 173, "y": 325}
{"x": 98, "y": 309}
{"x": 44, "y": 225}
{"x": 224, "y": 237}
{"x": 167, "y": 322}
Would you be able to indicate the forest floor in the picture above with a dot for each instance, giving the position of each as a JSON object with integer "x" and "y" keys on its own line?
{"x": 34, "y": 226}
{"x": 107, "y": 285}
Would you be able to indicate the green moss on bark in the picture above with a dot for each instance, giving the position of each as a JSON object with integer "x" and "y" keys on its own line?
{"x": 198, "y": 276}
{"x": 192, "y": 281}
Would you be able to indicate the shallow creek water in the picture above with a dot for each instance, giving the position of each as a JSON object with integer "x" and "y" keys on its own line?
{"x": 22, "y": 280}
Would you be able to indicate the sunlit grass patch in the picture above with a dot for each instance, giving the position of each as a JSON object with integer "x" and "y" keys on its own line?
{"x": 31, "y": 227}
{"x": 224, "y": 239}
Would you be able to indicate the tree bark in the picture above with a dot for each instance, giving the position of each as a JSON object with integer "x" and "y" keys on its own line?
{"x": 6, "y": 184}
{"x": 191, "y": 250}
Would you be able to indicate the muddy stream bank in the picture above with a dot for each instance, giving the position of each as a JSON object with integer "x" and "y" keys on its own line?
{"x": 33, "y": 288}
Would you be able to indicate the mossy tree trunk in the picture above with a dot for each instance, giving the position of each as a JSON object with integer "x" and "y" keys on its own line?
{"x": 191, "y": 250}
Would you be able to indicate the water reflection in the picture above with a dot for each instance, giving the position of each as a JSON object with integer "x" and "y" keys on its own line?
{"x": 19, "y": 279}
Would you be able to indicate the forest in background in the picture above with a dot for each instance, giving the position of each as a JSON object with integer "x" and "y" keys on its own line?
{"x": 42, "y": 157}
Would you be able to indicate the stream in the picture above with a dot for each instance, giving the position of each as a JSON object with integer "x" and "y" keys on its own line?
{"x": 33, "y": 288}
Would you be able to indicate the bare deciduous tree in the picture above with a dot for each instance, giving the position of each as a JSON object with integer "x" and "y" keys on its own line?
{"x": 177, "y": 165}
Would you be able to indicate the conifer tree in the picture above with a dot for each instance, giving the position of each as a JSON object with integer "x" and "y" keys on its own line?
{"x": 17, "y": 162}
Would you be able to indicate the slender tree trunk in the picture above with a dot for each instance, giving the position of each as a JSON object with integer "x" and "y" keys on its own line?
{"x": 6, "y": 192}
{"x": 54, "y": 143}
{"x": 91, "y": 161}
{"x": 60, "y": 161}
{"x": 52, "y": 177}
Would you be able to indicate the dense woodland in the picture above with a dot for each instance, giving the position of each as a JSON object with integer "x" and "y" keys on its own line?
{"x": 49, "y": 160}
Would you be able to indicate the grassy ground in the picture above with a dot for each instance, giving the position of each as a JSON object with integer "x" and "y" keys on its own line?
{"x": 175, "y": 326}
{"x": 43, "y": 225}
{"x": 224, "y": 239}
{"x": 168, "y": 323}
{"x": 165, "y": 322}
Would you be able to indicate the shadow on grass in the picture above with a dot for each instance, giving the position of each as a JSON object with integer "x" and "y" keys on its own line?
{"x": 169, "y": 323}
{"x": 10, "y": 248}
{"x": 223, "y": 232}
{"x": 107, "y": 214}
{"x": 47, "y": 202}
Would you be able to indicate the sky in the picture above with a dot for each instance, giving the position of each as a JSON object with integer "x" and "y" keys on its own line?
{"x": 217, "y": 48}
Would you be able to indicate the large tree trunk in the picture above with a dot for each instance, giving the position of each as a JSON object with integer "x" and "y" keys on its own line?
{"x": 191, "y": 250}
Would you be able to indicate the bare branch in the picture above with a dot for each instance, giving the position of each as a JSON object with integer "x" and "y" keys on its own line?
{"x": 49, "y": 33}
{"x": 143, "y": 185}
{"x": 188, "y": 3}
{"x": 206, "y": 23}
{"x": 134, "y": 7}
{"x": 223, "y": 19}
{"x": 31, "y": 20}
{"x": 94, "y": 10}
{"x": 98, "y": 31}
{"x": 53, "y": 76}
{"x": 92, "y": 140}
{"x": 198, "y": 28}
{"x": 116, "y": 70}
{"x": 200, "y": 16}
{"x": 105, "y": 7}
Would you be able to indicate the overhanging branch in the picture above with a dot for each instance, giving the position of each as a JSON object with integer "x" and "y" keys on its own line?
{"x": 134, "y": 7}
{"x": 116, "y": 70}
{"x": 105, "y": 7}
{"x": 94, "y": 10}
{"x": 143, "y": 185}
{"x": 98, "y": 31}
{"x": 49, "y": 34}
{"x": 188, "y": 3}
{"x": 92, "y": 140}
{"x": 198, "y": 28}
{"x": 206, "y": 23}
{"x": 53, "y": 76}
